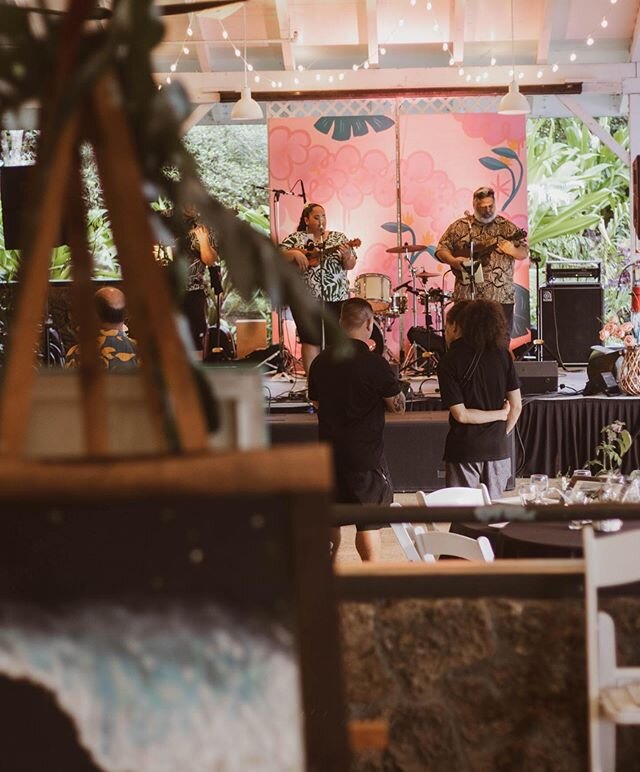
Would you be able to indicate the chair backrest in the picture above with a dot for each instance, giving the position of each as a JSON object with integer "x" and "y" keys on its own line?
{"x": 406, "y": 537}
{"x": 611, "y": 560}
{"x": 430, "y": 543}
{"x": 455, "y": 497}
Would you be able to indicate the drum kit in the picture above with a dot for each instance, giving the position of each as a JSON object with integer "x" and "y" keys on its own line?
{"x": 390, "y": 303}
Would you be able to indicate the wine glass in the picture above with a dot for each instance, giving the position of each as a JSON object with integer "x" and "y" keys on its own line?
{"x": 540, "y": 483}
{"x": 527, "y": 494}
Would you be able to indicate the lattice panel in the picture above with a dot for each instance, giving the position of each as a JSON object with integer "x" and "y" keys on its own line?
{"x": 439, "y": 105}
{"x": 418, "y": 106}
{"x": 338, "y": 107}
{"x": 220, "y": 112}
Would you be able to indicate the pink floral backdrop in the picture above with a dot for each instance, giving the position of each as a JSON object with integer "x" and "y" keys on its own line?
{"x": 348, "y": 164}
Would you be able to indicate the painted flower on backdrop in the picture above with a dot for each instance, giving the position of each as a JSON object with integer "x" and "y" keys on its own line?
{"x": 493, "y": 129}
{"x": 615, "y": 332}
{"x": 431, "y": 192}
{"x": 287, "y": 149}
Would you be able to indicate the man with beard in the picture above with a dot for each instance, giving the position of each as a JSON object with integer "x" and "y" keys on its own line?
{"x": 495, "y": 241}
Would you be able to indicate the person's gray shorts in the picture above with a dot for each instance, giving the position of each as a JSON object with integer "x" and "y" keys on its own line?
{"x": 468, "y": 474}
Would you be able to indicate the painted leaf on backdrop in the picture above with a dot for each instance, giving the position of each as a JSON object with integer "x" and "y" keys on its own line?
{"x": 392, "y": 227}
{"x": 493, "y": 163}
{"x": 505, "y": 152}
{"x": 346, "y": 127}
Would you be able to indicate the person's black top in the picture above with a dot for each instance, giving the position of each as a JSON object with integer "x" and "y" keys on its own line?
{"x": 477, "y": 381}
{"x": 350, "y": 393}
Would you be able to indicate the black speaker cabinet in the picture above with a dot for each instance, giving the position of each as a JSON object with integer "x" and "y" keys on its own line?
{"x": 537, "y": 377}
{"x": 570, "y": 319}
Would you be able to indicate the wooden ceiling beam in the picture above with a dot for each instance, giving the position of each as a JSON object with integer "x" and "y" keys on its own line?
{"x": 458, "y": 14}
{"x": 634, "y": 49}
{"x": 284, "y": 25}
{"x": 544, "y": 36}
{"x": 373, "y": 43}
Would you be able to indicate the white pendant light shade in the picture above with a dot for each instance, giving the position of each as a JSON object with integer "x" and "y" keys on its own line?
{"x": 513, "y": 102}
{"x": 246, "y": 108}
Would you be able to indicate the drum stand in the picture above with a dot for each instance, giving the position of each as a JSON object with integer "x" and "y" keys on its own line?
{"x": 413, "y": 356}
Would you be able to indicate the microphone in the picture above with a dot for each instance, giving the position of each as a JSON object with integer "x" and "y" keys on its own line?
{"x": 304, "y": 193}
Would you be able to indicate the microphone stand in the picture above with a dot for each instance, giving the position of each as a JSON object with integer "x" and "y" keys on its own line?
{"x": 538, "y": 343}
{"x": 473, "y": 270}
{"x": 321, "y": 247}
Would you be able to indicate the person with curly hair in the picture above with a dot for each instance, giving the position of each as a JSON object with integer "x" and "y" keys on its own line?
{"x": 480, "y": 388}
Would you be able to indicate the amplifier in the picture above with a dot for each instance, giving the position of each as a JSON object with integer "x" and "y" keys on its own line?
{"x": 537, "y": 377}
{"x": 565, "y": 272}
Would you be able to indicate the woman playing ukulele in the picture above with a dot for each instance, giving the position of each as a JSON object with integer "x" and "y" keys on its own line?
{"x": 324, "y": 257}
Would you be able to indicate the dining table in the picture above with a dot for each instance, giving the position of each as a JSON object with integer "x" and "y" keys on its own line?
{"x": 532, "y": 539}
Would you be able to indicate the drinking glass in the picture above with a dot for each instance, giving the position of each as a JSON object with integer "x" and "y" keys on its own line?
{"x": 527, "y": 494}
{"x": 540, "y": 483}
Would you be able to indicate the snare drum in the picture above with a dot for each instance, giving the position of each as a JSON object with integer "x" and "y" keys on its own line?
{"x": 397, "y": 306}
{"x": 376, "y": 289}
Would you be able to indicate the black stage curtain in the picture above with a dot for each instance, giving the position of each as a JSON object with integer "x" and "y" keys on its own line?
{"x": 555, "y": 435}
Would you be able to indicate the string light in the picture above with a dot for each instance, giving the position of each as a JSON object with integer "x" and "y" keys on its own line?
{"x": 383, "y": 51}
{"x": 604, "y": 23}
{"x": 190, "y": 31}
{"x": 341, "y": 76}
{"x": 590, "y": 41}
{"x": 493, "y": 61}
{"x": 461, "y": 71}
{"x": 572, "y": 56}
{"x": 539, "y": 74}
{"x": 554, "y": 68}
{"x": 185, "y": 50}
{"x": 429, "y": 6}
{"x": 247, "y": 64}
{"x": 452, "y": 61}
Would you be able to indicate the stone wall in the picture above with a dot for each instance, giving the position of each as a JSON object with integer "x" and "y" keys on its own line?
{"x": 481, "y": 685}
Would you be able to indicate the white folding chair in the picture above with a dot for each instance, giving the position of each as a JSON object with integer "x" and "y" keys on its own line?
{"x": 406, "y": 536}
{"x": 455, "y": 497}
{"x": 430, "y": 544}
{"x": 614, "y": 692}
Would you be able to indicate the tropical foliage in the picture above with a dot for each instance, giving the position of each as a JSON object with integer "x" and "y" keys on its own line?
{"x": 579, "y": 198}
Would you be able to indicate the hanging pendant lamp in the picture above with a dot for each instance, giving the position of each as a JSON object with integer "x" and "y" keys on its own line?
{"x": 246, "y": 108}
{"x": 513, "y": 102}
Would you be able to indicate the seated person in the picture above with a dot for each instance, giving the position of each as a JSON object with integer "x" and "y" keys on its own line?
{"x": 117, "y": 350}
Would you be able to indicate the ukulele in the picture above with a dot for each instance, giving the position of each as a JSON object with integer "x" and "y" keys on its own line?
{"x": 314, "y": 255}
{"x": 482, "y": 253}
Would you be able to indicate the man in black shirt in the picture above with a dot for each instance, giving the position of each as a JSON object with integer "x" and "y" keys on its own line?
{"x": 479, "y": 385}
{"x": 351, "y": 394}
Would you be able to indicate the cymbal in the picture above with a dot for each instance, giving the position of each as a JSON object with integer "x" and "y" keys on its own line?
{"x": 426, "y": 275}
{"x": 406, "y": 248}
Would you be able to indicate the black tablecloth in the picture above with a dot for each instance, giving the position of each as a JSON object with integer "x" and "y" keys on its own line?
{"x": 532, "y": 540}
{"x": 555, "y": 435}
